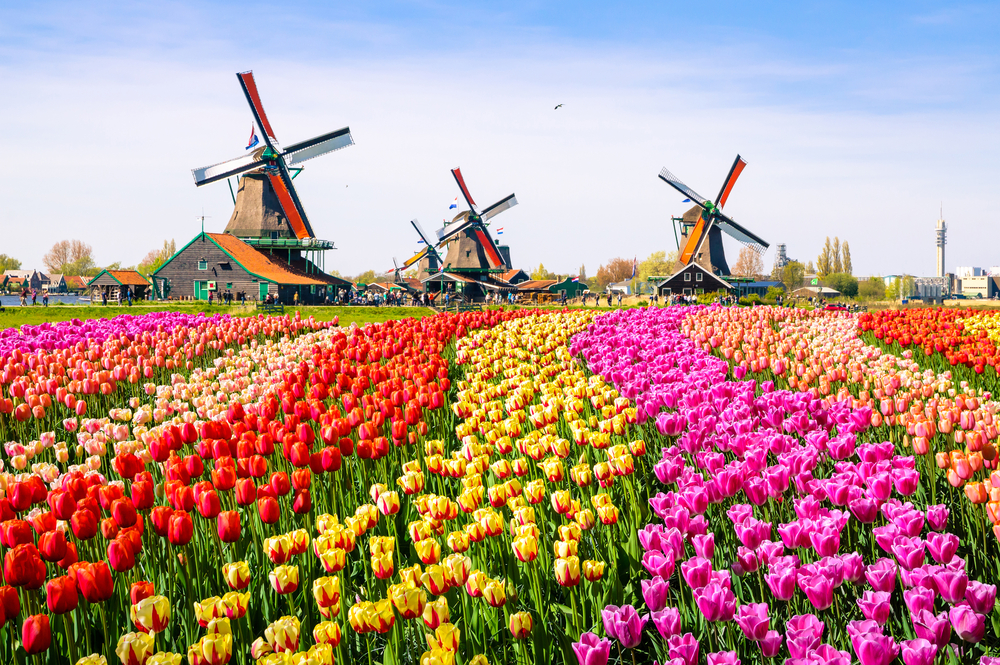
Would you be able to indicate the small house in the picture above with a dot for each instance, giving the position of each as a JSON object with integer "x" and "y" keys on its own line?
{"x": 515, "y": 276}
{"x": 571, "y": 286}
{"x": 692, "y": 280}
{"x": 57, "y": 283}
{"x": 109, "y": 283}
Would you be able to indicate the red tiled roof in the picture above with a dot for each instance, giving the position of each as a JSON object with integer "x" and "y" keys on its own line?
{"x": 262, "y": 265}
{"x": 536, "y": 285}
{"x": 75, "y": 281}
{"x": 128, "y": 277}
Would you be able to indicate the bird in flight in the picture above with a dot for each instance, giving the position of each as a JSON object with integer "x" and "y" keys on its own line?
{"x": 557, "y": 106}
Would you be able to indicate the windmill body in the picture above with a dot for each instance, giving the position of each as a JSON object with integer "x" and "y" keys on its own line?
{"x": 703, "y": 225}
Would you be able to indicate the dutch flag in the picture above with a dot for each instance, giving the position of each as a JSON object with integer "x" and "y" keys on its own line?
{"x": 253, "y": 138}
{"x": 576, "y": 279}
{"x": 454, "y": 204}
{"x": 500, "y": 231}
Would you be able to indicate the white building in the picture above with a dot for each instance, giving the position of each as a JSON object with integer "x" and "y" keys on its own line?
{"x": 968, "y": 271}
{"x": 978, "y": 286}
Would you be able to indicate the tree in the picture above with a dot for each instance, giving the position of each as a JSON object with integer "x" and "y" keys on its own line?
{"x": 157, "y": 257}
{"x": 810, "y": 268}
{"x": 616, "y": 270}
{"x": 748, "y": 264}
{"x": 9, "y": 263}
{"x": 541, "y": 273}
{"x": 583, "y": 273}
{"x": 845, "y": 261}
{"x": 793, "y": 274}
{"x": 825, "y": 260}
{"x": 843, "y": 282}
{"x": 892, "y": 291}
{"x": 838, "y": 266}
{"x": 367, "y": 277}
{"x": 68, "y": 252}
{"x": 872, "y": 288}
{"x": 908, "y": 287}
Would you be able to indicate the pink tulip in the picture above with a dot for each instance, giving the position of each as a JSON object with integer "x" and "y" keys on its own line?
{"x": 592, "y": 650}
{"x": 981, "y": 597}
{"x": 818, "y": 589}
{"x": 909, "y": 523}
{"x": 919, "y": 652}
{"x": 875, "y": 605}
{"x": 716, "y": 602}
{"x": 683, "y": 647}
{"x": 968, "y": 624}
{"x": 942, "y": 546}
{"x": 909, "y": 551}
{"x": 697, "y": 572}
{"x": 723, "y": 658}
{"x": 919, "y": 598}
{"x": 951, "y": 584}
{"x": 803, "y": 633}
{"x": 704, "y": 545}
{"x": 826, "y": 541}
{"x": 854, "y": 567}
{"x": 937, "y": 516}
{"x": 753, "y": 620}
{"x": 624, "y": 624}
{"x": 781, "y": 582}
{"x": 655, "y": 592}
{"x": 667, "y": 622}
{"x": 771, "y": 644}
{"x": 936, "y": 629}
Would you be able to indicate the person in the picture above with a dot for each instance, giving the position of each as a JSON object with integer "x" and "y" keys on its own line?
{"x": 119, "y": 297}
{"x": 34, "y": 297}
{"x": 295, "y": 299}
{"x": 24, "y": 297}
{"x": 104, "y": 297}
{"x": 609, "y": 298}
{"x": 211, "y": 296}
{"x": 128, "y": 295}
{"x": 619, "y": 298}
{"x": 45, "y": 299}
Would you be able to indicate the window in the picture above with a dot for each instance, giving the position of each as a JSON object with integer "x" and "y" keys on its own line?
{"x": 203, "y": 265}
{"x": 699, "y": 292}
{"x": 226, "y": 266}
{"x": 229, "y": 285}
{"x": 687, "y": 277}
{"x": 687, "y": 292}
{"x": 699, "y": 277}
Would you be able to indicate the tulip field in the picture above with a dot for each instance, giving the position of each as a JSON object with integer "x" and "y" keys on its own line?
{"x": 696, "y": 485}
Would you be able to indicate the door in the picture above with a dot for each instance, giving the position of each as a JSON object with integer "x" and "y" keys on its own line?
{"x": 200, "y": 290}
{"x": 263, "y": 290}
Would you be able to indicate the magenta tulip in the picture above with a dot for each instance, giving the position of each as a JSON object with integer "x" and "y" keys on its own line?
{"x": 936, "y": 629}
{"x": 875, "y": 605}
{"x": 981, "y": 597}
{"x": 803, "y": 633}
{"x": 919, "y": 652}
{"x": 683, "y": 647}
{"x": 716, "y": 602}
{"x": 667, "y": 622}
{"x": 942, "y": 546}
{"x": 655, "y": 593}
{"x": 968, "y": 624}
{"x": 592, "y": 650}
{"x": 753, "y": 620}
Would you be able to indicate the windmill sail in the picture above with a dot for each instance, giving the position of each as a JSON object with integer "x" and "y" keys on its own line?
{"x": 505, "y": 203}
{"x": 742, "y": 234}
{"x": 321, "y": 145}
{"x": 727, "y": 186}
{"x": 223, "y": 170}
{"x": 675, "y": 182}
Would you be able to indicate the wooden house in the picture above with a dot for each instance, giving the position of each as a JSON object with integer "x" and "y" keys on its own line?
{"x": 18, "y": 280}
{"x": 573, "y": 288}
{"x": 515, "y": 276}
{"x": 57, "y": 283}
{"x": 221, "y": 263}
{"x": 692, "y": 280}
{"x": 110, "y": 282}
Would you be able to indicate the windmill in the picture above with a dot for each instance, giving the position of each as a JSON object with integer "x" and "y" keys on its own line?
{"x": 705, "y": 222}
{"x": 274, "y": 164}
{"x": 429, "y": 252}
{"x": 472, "y": 224}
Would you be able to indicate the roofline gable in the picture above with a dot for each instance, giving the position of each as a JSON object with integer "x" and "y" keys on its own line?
{"x": 726, "y": 284}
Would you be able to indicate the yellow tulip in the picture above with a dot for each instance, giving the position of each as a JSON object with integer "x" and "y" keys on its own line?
{"x": 520, "y": 625}
{"x": 237, "y": 575}
{"x": 333, "y": 560}
{"x": 134, "y": 648}
{"x": 326, "y": 591}
{"x": 412, "y": 575}
{"x": 278, "y": 548}
{"x": 219, "y": 626}
{"x": 162, "y": 658}
{"x": 409, "y": 601}
{"x": 152, "y": 614}
{"x": 208, "y": 609}
{"x": 94, "y": 659}
{"x": 284, "y": 579}
{"x": 435, "y": 580}
{"x": 320, "y": 654}
{"x": 437, "y": 657}
{"x": 593, "y": 570}
{"x": 458, "y": 541}
{"x": 327, "y": 632}
{"x": 283, "y": 634}
{"x": 381, "y": 544}
{"x": 567, "y": 571}
{"x": 495, "y": 593}
{"x": 217, "y": 648}
{"x": 525, "y": 548}
{"x": 299, "y": 541}
{"x": 436, "y": 613}
{"x": 428, "y": 550}
{"x": 446, "y": 636}
{"x": 236, "y": 604}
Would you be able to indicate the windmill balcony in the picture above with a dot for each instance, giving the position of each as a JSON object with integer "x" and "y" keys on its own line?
{"x": 289, "y": 243}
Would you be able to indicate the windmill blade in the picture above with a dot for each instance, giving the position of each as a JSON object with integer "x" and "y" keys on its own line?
{"x": 457, "y": 172}
{"x": 395, "y": 262}
{"x": 306, "y": 150}
{"x": 290, "y": 204}
{"x": 415, "y": 258}
{"x": 498, "y": 207}
{"x": 223, "y": 170}
{"x": 492, "y": 253}
{"x": 699, "y": 231}
{"x": 742, "y": 234}
{"x": 420, "y": 232}
{"x": 463, "y": 222}
{"x": 727, "y": 185}
{"x": 672, "y": 180}
{"x": 253, "y": 98}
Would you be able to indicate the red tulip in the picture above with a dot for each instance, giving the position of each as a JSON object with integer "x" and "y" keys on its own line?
{"x": 109, "y": 528}
{"x": 267, "y": 508}
{"x": 141, "y": 589}
{"x": 121, "y": 556}
{"x": 70, "y": 558}
{"x": 10, "y": 603}
{"x": 36, "y": 635}
{"x": 208, "y": 504}
{"x": 63, "y": 504}
{"x": 142, "y": 495}
{"x": 302, "y": 503}
{"x": 61, "y": 595}
{"x": 123, "y": 512}
{"x": 280, "y": 484}
{"x": 43, "y": 522}
{"x": 246, "y": 492}
{"x": 52, "y": 545}
{"x": 160, "y": 517}
{"x": 229, "y": 526}
{"x": 20, "y": 565}
{"x": 15, "y": 532}
{"x": 93, "y": 580}
{"x": 180, "y": 528}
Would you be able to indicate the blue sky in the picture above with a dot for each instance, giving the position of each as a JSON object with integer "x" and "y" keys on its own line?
{"x": 857, "y": 120}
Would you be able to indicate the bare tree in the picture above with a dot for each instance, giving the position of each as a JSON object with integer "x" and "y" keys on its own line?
{"x": 69, "y": 256}
{"x": 748, "y": 264}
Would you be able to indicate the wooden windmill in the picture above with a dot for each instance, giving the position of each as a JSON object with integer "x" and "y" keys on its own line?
{"x": 267, "y": 205}
{"x": 428, "y": 259}
{"x": 702, "y": 226}
{"x": 470, "y": 246}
